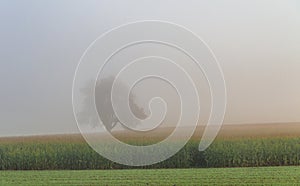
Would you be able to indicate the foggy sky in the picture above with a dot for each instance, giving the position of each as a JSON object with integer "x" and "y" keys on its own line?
{"x": 256, "y": 42}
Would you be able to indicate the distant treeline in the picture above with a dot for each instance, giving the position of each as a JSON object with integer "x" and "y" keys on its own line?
{"x": 222, "y": 153}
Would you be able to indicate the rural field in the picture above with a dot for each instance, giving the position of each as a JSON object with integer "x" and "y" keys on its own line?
{"x": 205, "y": 176}
{"x": 242, "y": 154}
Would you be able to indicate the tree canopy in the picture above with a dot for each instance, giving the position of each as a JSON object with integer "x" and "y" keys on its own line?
{"x": 104, "y": 106}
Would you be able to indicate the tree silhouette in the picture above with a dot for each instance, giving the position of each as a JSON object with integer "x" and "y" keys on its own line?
{"x": 104, "y": 106}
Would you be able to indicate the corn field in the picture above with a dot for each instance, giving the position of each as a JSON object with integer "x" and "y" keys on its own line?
{"x": 222, "y": 153}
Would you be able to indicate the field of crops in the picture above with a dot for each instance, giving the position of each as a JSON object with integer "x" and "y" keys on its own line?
{"x": 55, "y": 155}
{"x": 205, "y": 176}
{"x": 68, "y": 160}
{"x": 262, "y": 146}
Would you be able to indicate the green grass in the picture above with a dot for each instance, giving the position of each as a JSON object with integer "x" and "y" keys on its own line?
{"x": 205, "y": 176}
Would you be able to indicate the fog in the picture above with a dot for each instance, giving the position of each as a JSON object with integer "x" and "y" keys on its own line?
{"x": 256, "y": 43}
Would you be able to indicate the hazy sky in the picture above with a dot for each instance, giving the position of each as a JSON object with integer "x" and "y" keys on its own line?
{"x": 256, "y": 42}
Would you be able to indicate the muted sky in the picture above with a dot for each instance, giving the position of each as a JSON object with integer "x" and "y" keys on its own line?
{"x": 256, "y": 42}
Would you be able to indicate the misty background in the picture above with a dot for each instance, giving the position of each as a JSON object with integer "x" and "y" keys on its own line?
{"x": 256, "y": 42}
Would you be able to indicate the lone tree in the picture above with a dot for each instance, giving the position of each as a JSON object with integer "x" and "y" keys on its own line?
{"x": 104, "y": 106}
